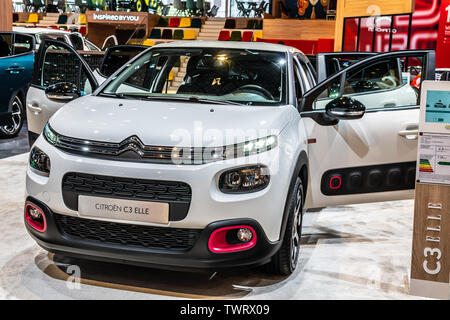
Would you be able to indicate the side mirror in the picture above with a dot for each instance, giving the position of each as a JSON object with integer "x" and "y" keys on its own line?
{"x": 345, "y": 108}
{"x": 62, "y": 91}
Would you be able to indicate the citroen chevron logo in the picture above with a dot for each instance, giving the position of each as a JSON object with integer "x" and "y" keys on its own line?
{"x": 132, "y": 143}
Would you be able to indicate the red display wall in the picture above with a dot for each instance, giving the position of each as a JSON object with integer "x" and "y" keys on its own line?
{"x": 425, "y": 23}
{"x": 418, "y": 30}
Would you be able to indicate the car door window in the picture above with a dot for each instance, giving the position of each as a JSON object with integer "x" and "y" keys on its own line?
{"x": 383, "y": 75}
{"x": 5, "y": 45}
{"x": 387, "y": 83}
{"x": 22, "y": 43}
{"x": 59, "y": 64}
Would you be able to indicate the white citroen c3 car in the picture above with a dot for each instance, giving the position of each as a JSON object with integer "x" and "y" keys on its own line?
{"x": 203, "y": 155}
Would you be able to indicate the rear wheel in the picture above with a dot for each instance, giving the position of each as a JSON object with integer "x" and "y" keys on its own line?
{"x": 285, "y": 260}
{"x": 17, "y": 119}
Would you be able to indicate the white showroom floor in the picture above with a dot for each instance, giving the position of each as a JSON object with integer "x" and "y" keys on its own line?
{"x": 349, "y": 252}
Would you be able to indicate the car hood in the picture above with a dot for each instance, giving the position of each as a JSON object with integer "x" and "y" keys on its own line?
{"x": 166, "y": 123}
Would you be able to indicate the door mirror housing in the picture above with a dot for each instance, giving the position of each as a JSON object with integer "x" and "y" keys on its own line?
{"x": 62, "y": 91}
{"x": 345, "y": 108}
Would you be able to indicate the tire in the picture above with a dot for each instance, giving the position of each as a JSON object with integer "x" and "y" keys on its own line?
{"x": 285, "y": 260}
{"x": 18, "y": 118}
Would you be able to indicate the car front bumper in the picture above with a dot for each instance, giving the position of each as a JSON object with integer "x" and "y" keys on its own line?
{"x": 198, "y": 258}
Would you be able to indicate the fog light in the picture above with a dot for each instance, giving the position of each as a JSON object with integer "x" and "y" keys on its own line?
{"x": 232, "y": 239}
{"x": 244, "y": 235}
{"x": 35, "y": 214}
{"x": 35, "y": 217}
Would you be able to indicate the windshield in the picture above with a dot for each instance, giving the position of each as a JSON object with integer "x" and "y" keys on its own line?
{"x": 248, "y": 77}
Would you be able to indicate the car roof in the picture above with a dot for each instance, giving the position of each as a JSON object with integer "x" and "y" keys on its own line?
{"x": 264, "y": 46}
{"x": 39, "y": 30}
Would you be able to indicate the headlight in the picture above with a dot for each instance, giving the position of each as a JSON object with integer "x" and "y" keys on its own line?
{"x": 243, "y": 149}
{"x": 50, "y": 135}
{"x": 256, "y": 146}
{"x": 243, "y": 180}
{"x": 39, "y": 162}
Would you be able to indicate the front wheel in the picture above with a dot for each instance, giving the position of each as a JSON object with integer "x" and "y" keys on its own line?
{"x": 285, "y": 260}
{"x": 17, "y": 119}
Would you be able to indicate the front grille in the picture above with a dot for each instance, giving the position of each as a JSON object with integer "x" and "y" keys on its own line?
{"x": 127, "y": 234}
{"x": 133, "y": 149}
{"x": 176, "y": 194}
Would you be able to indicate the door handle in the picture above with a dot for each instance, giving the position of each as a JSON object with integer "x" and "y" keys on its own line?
{"x": 34, "y": 109}
{"x": 15, "y": 70}
{"x": 409, "y": 134}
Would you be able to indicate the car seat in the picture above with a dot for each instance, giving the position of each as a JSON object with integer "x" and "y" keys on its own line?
{"x": 205, "y": 75}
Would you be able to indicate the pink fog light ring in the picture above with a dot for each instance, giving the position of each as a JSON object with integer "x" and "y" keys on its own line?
{"x": 41, "y": 227}
{"x": 218, "y": 244}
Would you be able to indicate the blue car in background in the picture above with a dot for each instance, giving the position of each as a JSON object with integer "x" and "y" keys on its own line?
{"x": 16, "y": 70}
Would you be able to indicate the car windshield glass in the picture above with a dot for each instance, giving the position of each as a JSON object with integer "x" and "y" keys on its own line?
{"x": 249, "y": 77}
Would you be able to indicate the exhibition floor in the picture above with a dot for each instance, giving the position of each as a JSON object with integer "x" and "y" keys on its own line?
{"x": 349, "y": 252}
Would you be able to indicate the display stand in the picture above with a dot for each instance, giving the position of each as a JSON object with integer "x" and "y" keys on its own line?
{"x": 430, "y": 264}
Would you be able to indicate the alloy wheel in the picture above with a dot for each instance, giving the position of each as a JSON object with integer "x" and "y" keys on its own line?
{"x": 297, "y": 228}
{"x": 16, "y": 118}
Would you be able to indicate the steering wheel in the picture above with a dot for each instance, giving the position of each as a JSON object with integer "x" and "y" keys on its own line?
{"x": 389, "y": 81}
{"x": 257, "y": 89}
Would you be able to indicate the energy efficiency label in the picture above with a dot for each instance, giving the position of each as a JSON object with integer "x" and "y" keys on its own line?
{"x": 433, "y": 163}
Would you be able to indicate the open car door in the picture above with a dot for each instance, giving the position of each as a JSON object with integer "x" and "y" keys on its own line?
{"x": 362, "y": 125}
{"x": 61, "y": 66}
{"x": 57, "y": 66}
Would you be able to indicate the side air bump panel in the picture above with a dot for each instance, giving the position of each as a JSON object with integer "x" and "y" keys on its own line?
{"x": 367, "y": 179}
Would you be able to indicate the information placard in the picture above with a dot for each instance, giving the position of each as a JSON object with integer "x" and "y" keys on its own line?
{"x": 435, "y": 107}
{"x": 433, "y": 163}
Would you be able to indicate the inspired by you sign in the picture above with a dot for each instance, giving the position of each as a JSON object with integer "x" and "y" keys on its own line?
{"x": 116, "y": 17}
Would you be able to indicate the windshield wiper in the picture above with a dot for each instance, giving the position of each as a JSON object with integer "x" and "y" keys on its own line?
{"x": 191, "y": 98}
{"x": 196, "y": 99}
{"x": 118, "y": 95}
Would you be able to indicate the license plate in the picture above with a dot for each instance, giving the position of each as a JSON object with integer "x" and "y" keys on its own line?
{"x": 120, "y": 209}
